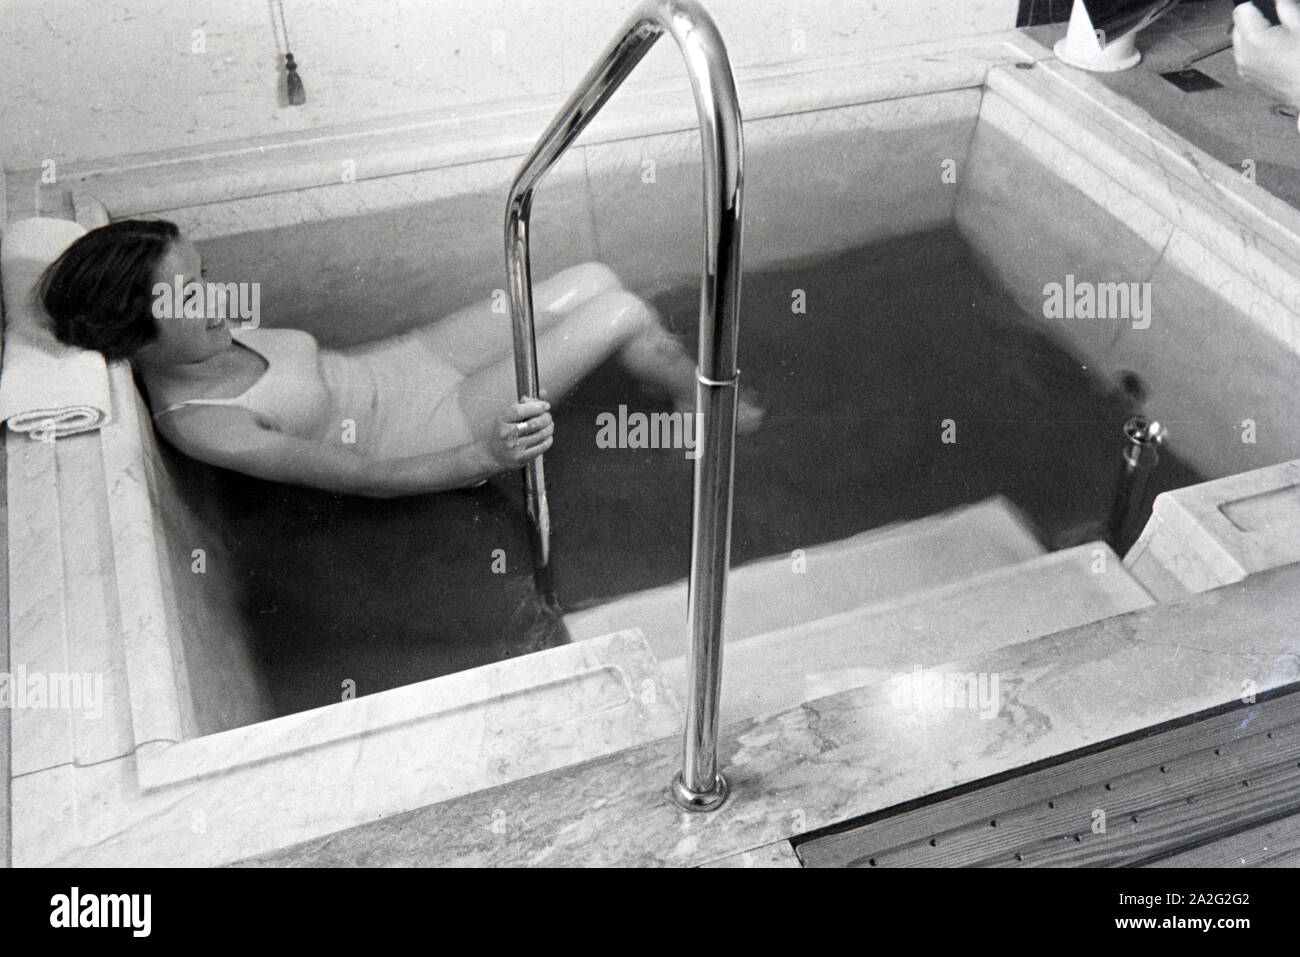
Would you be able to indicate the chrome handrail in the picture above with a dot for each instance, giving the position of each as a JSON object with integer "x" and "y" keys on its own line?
{"x": 698, "y": 786}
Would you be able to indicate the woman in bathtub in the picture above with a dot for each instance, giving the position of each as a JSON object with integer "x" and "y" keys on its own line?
{"x": 425, "y": 411}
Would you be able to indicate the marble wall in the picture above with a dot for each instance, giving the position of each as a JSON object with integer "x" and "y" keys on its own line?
{"x": 220, "y": 683}
{"x": 371, "y": 269}
{"x": 1056, "y": 189}
{"x": 84, "y": 80}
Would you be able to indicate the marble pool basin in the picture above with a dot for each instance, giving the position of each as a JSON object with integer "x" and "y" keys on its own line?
{"x": 1045, "y": 173}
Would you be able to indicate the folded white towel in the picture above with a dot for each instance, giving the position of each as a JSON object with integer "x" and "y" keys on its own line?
{"x": 47, "y": 389}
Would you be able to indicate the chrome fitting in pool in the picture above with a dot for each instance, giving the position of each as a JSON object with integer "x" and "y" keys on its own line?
{"x": 1141, "y": 456}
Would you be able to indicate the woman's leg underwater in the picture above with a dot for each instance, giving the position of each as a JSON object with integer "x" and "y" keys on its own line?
{"x": 476, "y": 337}
{"x": 614, "y": 321}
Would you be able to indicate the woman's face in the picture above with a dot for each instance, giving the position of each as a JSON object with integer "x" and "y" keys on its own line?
{"x": 180, "y": 338}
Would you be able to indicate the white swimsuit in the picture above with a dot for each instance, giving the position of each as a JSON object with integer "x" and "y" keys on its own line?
{"x": 391, "y": 398}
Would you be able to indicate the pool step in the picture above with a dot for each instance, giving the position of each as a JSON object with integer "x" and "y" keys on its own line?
{"x": 884, "y": 563}
{"x": 865, "y": 645}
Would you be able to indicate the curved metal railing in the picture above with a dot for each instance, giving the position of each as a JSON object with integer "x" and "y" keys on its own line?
{"x": 698, "y": 786}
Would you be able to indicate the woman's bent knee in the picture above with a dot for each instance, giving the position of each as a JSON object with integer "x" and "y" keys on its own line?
{"x": 597, "y": 277}
{"x": 576, "y": 285}
{"x": 627, "y": 313}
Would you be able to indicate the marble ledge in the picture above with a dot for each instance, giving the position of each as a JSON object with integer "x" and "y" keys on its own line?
{"x": 1168, "y": 230}
{"x": 152, "y": 690}
{"x": 918, "y": 119}
{"x": 1219, "y": 532}
{"x": 776, "y": 854}
{"x": 37, "y": 618}
{"x": 1190, "y": 209}
{"x": 315, "y": 773}
{"x": 466, "y": 712}
{"x": 856, "y": 752}
{"x": 1077, "y": 107}
{"x": 146, "y": 183}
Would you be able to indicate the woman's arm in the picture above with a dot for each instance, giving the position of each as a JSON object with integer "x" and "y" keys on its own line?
{"x": 232, "y": 438}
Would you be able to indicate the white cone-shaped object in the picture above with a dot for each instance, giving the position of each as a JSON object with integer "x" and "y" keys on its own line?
{"x": 1088, "y": 45}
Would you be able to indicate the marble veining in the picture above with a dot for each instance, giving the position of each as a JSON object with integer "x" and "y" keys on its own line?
{"x": 368, "y": 59}
{"x": 145, "y": 790}
{"x": 217, "y": 798}
{"x": 1222, "y": 257}
{"x": 155, "y": 182}
{"x": 1194, "y": 542}
{"x": 859, "y": 751}
{"x": 776, "y": 854}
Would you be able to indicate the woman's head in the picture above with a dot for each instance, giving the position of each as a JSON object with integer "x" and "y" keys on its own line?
{"x": 100, "y": 291}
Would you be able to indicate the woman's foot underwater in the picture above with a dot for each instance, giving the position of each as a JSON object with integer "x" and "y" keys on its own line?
{"x": 749, "y": 413}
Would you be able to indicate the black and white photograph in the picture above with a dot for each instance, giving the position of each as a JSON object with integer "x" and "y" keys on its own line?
{"x": 638, "y": 434}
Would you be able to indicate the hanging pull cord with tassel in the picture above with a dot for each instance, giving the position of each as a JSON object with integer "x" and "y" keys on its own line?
{"x": 297, "y": 95}
{"x": 292, "y": 81}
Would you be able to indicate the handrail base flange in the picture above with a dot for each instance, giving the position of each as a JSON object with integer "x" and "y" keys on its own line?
{"x": 689, "y": 800}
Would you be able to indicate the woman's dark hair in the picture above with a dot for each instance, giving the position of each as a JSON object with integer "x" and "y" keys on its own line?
{"x": 100, "y": 291}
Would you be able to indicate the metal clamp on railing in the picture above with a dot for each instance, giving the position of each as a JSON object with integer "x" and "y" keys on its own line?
{"x": 698, "y": 786}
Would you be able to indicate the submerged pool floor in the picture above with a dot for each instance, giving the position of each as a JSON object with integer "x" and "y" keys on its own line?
{"x": 894, "y": 339}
